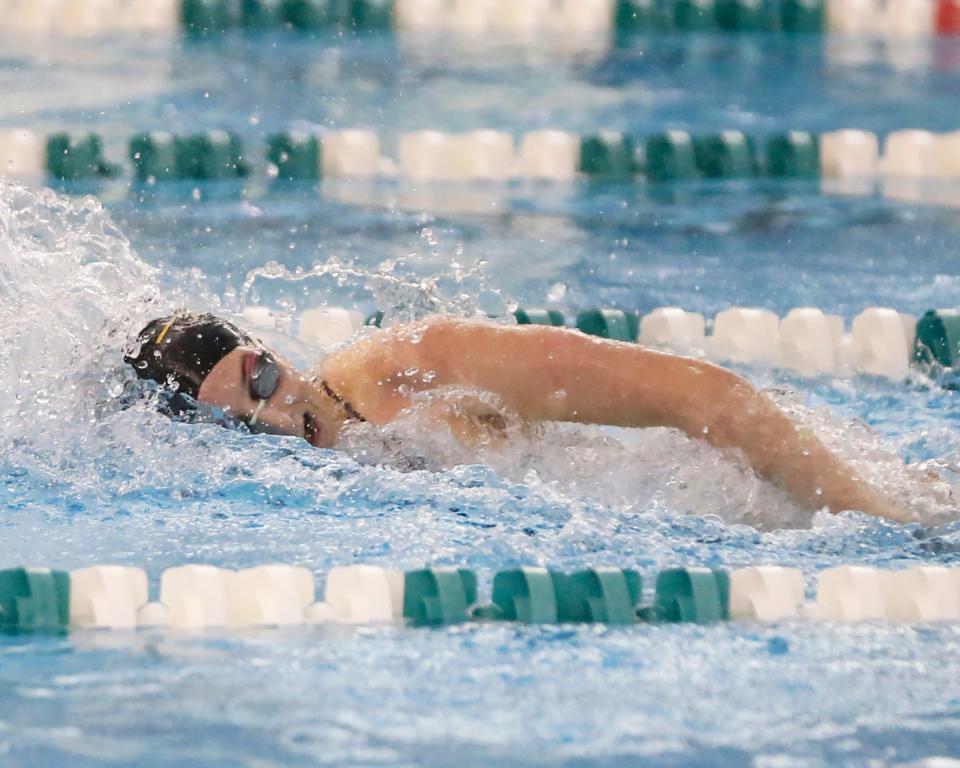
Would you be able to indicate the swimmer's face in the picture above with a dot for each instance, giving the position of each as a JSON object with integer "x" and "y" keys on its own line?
{"x": 296, "y": 407}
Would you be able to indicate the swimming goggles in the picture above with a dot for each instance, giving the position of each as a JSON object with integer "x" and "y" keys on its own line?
{"x": 263, "y": 375}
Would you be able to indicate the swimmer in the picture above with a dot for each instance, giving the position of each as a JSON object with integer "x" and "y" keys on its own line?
{"x": 541, "y": 373}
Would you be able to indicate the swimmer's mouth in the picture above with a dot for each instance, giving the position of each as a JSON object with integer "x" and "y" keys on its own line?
{"x": 311, "y": 430}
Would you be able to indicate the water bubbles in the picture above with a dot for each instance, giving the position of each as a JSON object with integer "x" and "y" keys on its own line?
{"x": 557, "y": 293}
{"x": 429, "y": 236}
{"x": 397, "y": 290}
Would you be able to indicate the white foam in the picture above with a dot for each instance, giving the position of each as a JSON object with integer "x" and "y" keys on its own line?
{"x": 71, "y": 296}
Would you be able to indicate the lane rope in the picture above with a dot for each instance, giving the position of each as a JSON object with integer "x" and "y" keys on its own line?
{"x": 203, "y": 596}
{"x": 523, "y": 21}
{"x": 854, "y": 157}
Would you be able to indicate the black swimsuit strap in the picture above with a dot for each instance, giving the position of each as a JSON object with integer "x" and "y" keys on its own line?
{"x": 352, "y": 413}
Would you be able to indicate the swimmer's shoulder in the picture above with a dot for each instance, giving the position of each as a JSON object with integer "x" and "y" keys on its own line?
{"x": 371, "y": 372}
{"x": 401, "y": 347}
{"x": 381, "y": 370}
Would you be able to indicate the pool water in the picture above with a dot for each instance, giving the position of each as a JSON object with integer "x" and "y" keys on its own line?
{"x": 87, "y": 481}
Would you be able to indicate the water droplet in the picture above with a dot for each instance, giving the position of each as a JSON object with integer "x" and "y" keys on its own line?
{"x": 557, "y": 293}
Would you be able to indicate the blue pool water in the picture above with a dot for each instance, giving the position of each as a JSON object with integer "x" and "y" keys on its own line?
{"x": 87, "y": 482}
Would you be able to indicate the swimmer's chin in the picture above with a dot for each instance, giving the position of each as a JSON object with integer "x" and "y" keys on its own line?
{"x": 315, "y": 433}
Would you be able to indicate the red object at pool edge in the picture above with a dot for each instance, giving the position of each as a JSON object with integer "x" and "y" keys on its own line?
{"x": 948, "y": 17}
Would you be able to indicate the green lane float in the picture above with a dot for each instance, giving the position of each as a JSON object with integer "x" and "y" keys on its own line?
{"x": 436, "y": 596}
{"x": 743, "y": 16}
{"x": 598, "y": 595}
{"x": 371, "y": 14}
{"x": 698, "y": 595}
{"x": 306, "y": 14}
{"x": 609, "y": 156}
{"x": 938, "y": 338}
{"x": 295, "y": 155}
{"x": 640, "y": 16}
{"x": 693, "y": 15}
{"x": 210, "y": 155}
{"x": 161, "y": 156}
{"x": 726, "y": 155}
{"x": 73, "y": 157}
{"x": 794, "y": 154}
{"x": 670, "y": 157}
{"x": 261, "y": 14}
{"x": 526, "y": 595}
{"x": 594, "y": 595}
{"x": 154, "y": 156}
{"x": 610, "y": 324}
{"x": 34, "y": 599}
{"x": 205, "y": 17}
{"x": 802, "y": 16}
{"x": 539, "y": 317}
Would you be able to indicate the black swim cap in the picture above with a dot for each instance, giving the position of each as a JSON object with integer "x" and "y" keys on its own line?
{"x": 184, "y": 348}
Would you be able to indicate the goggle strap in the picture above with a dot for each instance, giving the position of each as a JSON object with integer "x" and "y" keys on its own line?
{"x": 256, "y": 413}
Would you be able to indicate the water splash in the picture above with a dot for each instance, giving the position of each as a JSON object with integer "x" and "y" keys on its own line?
{"x": 72, "y": 294}
{"x": 70, "y": 291}
{"x": 923, "y": 488}
{"x": 395, "y": 289}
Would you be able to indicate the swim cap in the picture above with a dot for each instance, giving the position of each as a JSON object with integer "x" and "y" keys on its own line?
{"x": 183, "y": 348}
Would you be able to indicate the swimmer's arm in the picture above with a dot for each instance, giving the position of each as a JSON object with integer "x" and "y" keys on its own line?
{"x": 561, "y": 375}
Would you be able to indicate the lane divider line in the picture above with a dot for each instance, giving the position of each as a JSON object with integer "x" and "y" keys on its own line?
{"x": 198, "y": 597}
{"x": 846, "y": 159}
{"x": 523, "y": 21}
